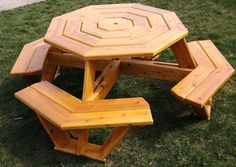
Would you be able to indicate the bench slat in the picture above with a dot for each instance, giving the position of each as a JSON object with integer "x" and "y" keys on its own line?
{"x": 73, "y": 104}
{"x": 203, "y": 82}
{"x": 38, "y": 57}
{"x": 31, "y": 59}
{"x": 67, "y": 112}
{"x": 33, "y": 99}
{"x": 201, "y": 94}
{"x": 108, "y": 119}
{"x": 189, "y": 83}
{"x": 214, "y": 54}
{"x": 57, "y": 95}
{"x": 199, "y": 55}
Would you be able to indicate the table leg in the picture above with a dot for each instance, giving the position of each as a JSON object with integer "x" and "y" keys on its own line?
{"x": 185, "y": 60}
{"x": 89, "y": 78}
{"x": 95, "y": 90}
{"x": 183, "y": 55}
{"x": 205, "y": 112}
{"x": 88, "y": 88}
{"x": 49, "y": 72}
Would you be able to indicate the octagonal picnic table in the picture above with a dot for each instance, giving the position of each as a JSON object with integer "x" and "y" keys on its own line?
{"x": 118, "y": 31}
{"x": 116, "y": 39}
{"x": 112, "y": 32}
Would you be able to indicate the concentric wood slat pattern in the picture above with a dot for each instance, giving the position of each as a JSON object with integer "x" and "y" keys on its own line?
{"x": 115, "y": 31}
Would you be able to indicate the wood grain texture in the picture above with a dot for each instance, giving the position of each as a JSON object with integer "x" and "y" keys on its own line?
{"x": 49, "y": 103}
{"x": 134, "y": 67}
{"x": 153, "y": 69}
{"x": 183, "y": 55}
{"x": 31, "y": 59}
{"x": 211, "y": 73}
{"x": 115, "y": 31}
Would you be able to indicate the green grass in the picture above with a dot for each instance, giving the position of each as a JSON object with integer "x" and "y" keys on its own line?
{"x": 177, "y": 138}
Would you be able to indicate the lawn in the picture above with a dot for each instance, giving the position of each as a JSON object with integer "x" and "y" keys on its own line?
{"x": 177, "y": 138}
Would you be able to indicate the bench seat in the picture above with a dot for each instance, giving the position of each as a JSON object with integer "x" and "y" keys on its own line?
{"x": 67, "y": 119}
{"x": 31, "y": 59}
{"x": 212, "y": 71}
{"x": 67, "y": 112}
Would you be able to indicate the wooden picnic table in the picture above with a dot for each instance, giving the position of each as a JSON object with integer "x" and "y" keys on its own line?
{"x": 114, "y": 32}
{"x": 114, "y": 39}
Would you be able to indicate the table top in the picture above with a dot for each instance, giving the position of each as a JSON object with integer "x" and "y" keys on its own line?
{"x": 115, "y": 31}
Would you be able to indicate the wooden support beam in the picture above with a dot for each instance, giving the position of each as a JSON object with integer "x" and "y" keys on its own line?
{"x": 153, "y": 69}
{"x": 88, "y": 88}
{"x": 133, "y": 67}
{"x": 106, "y": 80}
{"x": 83, "y": 135}
{"x": 49, "y": 72}
{"x": 205, "y": 112}
{"x": 94, "y": 151}
{"x": 113, "y": 140}
{"x": 183, "y": 55}
{"x": 89, "y": 77}
{"x": 65, "y": 59}
{"x": 59, "y": 138}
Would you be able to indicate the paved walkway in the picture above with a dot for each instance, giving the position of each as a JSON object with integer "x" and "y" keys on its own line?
{"x": 11, "y": 4}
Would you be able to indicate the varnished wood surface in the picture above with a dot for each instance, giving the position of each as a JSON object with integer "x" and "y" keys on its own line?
{"x": 115, "y": 31}
{"x": 31, "y": 59}
{"x": 212, "y": 71}
{"x": 65, "y": 112}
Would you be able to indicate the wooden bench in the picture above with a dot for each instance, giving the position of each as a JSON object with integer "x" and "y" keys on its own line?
{"x": 31, "y": 59}
{"x": 212, "y": 71}
{"x": 62, "y": 113}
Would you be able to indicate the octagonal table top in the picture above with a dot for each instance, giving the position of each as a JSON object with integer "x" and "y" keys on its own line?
{"x": 115, "y": 31}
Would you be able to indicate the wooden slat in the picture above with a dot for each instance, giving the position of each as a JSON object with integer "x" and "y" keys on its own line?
{"x": 55, "y": 38}
{"x": 43, "y": 106}
{"x": 137, "y": 20}
{"x": 31, "y": 59}
{"x": 57, "y": 95}
{"x": 155, "y": 20}
{"x": 115, "y": 24}
{"x": 78, "y": 36}
{"x": 153, "y": 70}
{"x": 214, "y": 54}
{"x": 91, "y": 29}
{"x": 203, "y": 82}
{"x": 200, "y": 56}
{"x": 73, "y": 104}
{"x": 160, "y": 44}
{"x": 50, "y": 103}
{"x": 173, "y": 22}
{"x": 209, "y": 87}
{"x": 191, "y": 81}
{"x": 108, "y": 119}
{"x": 114, "y": 104}
{"x": 128, "y": 31}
